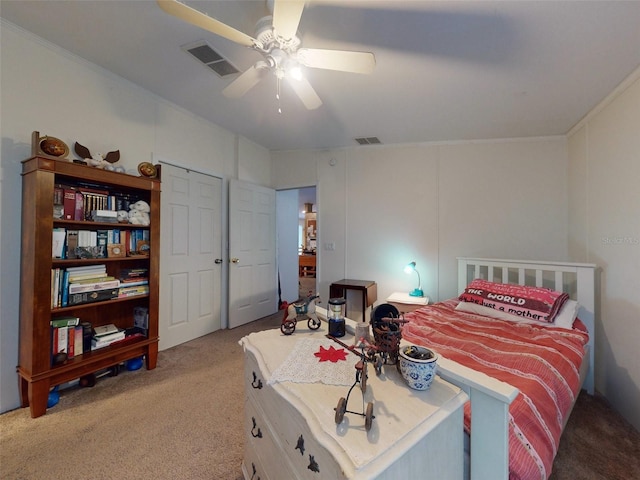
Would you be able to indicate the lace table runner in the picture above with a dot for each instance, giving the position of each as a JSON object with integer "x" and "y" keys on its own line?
{"x": 303, "y": 366}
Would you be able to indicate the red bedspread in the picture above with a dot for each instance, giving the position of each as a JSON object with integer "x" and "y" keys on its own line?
{"x": 542, "y": 362}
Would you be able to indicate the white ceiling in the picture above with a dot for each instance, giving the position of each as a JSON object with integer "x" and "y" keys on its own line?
{"x": 445, "y": 70}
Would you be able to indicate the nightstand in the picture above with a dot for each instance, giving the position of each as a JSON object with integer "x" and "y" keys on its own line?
{"x": 405, "y": 303}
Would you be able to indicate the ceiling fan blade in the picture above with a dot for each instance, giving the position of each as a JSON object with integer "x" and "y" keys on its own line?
{"x": 246, "y": 81}
{"x": 341, "y": 60}
{"x": 305, "y": 91}
{"x": 202, "y": 20}
{"x": 286, "y": 17}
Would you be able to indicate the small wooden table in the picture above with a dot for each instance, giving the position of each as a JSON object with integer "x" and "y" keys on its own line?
{"x": 369, "y": 290}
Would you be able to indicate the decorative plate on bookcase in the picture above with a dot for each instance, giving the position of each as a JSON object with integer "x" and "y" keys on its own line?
{"x": 53, "y": 146}
{"x": 148, "y": 169}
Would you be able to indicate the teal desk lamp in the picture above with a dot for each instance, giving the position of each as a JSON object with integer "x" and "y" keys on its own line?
{"x": 416, "y": 292}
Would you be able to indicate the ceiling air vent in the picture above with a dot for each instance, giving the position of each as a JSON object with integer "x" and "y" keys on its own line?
{"x": 368, "y": 140}
{"x": 212, "y": 59}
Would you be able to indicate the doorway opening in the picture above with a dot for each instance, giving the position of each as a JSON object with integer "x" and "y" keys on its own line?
{"x": 296, "y": 213}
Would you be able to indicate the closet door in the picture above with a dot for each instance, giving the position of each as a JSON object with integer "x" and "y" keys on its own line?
{"x": 191, "y": 265}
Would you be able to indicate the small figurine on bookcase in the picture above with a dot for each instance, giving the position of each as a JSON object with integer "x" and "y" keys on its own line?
{"x": 98, "y": 160}
{"x": 123, "y": 216}
{"x": 139, "y": 213}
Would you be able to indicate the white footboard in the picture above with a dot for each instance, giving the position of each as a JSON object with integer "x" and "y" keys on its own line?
{"x": 490, "y": 400}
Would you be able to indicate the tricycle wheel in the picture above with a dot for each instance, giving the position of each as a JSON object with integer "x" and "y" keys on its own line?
{"x": 313, "y": 323}
{"x": 288, "y": 327}
{"x": 368, "y": 417}
{"x": 340, "y": 410}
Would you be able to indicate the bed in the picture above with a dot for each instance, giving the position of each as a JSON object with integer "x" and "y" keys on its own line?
{"x": 499, "y": 418}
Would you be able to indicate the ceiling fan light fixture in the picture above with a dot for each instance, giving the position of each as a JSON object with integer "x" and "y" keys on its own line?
{"x": 293, "y": 69}
{"x": 278, "y": 41}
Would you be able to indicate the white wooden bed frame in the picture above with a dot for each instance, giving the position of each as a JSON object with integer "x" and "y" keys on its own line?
{"x": 490, "y": 398}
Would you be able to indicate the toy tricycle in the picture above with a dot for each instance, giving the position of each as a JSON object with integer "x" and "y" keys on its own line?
{"x": 367, "y": 355}
{"x": 301, "y": 310}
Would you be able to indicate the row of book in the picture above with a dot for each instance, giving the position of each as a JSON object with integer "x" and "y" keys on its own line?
{"x": 72, "y": 243}
{"x": 92, "y": 283}
{"x": 78, "y": 202}
{"x": 70, "y": 337}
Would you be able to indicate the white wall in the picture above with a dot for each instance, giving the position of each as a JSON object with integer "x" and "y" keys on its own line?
{"x": 385, "y": 206}
{"x": 604, "y": 168}
{"x": 47, "y": 89}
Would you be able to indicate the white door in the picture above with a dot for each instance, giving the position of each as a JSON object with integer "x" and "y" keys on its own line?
{"x": 191, "y": 259}
{"x": 253, "y": 283}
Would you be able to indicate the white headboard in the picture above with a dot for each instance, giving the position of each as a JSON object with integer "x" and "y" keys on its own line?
{"x": 577, "y": 279}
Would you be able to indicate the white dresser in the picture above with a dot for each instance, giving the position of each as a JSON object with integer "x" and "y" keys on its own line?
{"x": 291, "y": 431}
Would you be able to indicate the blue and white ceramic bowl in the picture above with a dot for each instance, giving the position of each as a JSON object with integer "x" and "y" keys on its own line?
{"x": 417, "y": 366}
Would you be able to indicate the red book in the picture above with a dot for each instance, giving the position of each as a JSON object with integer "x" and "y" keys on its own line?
{"x": 79, "y": 207}
{"x": 54, "y": 340}
{"x": 69, "y": 203}
{"x": 71, "y": 340}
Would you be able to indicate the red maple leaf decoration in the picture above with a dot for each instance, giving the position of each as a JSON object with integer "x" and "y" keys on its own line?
{"x": 331, "y": 354}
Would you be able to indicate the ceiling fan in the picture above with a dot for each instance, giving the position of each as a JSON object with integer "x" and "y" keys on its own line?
{"x": 277, "y": 42}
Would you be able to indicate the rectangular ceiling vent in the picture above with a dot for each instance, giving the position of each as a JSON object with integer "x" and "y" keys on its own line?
{"x": 368, "y": 141}
{"x": 209, "y": 57}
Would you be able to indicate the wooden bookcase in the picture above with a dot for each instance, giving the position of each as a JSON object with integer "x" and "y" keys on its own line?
{"x": 37, "y": 374}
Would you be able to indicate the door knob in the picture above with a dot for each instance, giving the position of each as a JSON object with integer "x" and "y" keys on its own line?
{"x": 218, "y": 260}
{"x": 235, "y": 260}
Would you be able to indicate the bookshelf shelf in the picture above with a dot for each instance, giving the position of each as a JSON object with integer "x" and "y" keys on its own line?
{"x": 37, "y": 371}
{"x": 72, "y": 262}
{"x": 82, "y": 306}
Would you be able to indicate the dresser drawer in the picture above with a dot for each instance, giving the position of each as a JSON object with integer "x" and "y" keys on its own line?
{"x": 262, "y": 455}
{"x": 290, "y": 430}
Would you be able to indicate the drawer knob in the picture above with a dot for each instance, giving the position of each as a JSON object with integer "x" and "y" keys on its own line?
{"x": 300, "y": 445}
{"x": 253, "y": 475}
{"x": 257, "y": 384}
{"x": 313, "y": 465}
{"x": 258, "y": 433}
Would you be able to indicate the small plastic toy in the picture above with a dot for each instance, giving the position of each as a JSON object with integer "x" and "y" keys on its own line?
{"x": 305, "y": 309}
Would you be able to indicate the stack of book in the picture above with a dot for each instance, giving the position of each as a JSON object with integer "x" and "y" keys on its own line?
{"x": 133, "y": 282}
{"x": 105, "y": 335}
{"x": 89, "y": 283}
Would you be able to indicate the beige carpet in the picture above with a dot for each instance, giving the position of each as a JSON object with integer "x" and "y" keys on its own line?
{"x": 183, "y": 421}
{"x": 306, "y": 285}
